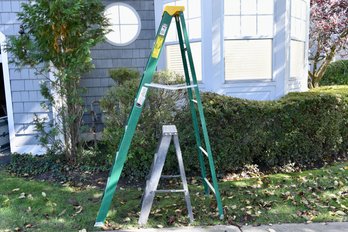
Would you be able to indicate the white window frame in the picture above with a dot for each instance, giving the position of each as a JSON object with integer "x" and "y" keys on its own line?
{"x": 162, "y": 63}
{"x": 120, "y": 24}
{"x": 253, "y": 37}
{"x": 297, "y": 39}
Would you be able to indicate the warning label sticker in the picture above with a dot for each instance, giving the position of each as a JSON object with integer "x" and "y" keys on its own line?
{"x": 157, "y": 47}
{"x": 142, "y": 96}
{"x": 163, "y": 29}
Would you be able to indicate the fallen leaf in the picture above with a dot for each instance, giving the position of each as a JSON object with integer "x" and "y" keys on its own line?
{"x": 340, "y": 213}
{"x": 159, "y": 226}
{"x": 15, "y": 190}
{"x": 29, "y": 225}
{"x": 43, "y": 194}
{"x": 62, "y": 213}
{"x": 21, "y": 196}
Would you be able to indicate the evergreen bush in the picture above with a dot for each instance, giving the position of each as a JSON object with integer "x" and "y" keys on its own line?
{"x": 336, "y": 74}
{"x": 306, "y": 129}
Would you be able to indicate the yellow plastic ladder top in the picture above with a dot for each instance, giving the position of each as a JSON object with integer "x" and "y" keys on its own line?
{"x": 174, "y": 10}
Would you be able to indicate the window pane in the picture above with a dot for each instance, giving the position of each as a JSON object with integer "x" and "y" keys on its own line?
{"x": 127, "y": 16}
{"x": 194, "y": 28}
{"x": 174, "y": 61}
{"x": 128, "y": 31}
{"x": 248, "y": 25}
{"x": 265, "y": 6}
{"x": 232, "y": 26}
{"x": 297, "y": 55}
{"x": 194, "y": 8}
{"x": 265, "y": 25}
{"x": 124, "y": 21}
{"x": 248, "y": 7}
{"x": 248, "y": 59}
{"x": 298, "y": 29}
{"x": 298, "y": 9}
{"x": 114, "y": 35}
{"x": 172, "y": 33}
{"x": 196, "y": 50}
{"x": 232, "y": 7}
{"x": 113, "y": 14}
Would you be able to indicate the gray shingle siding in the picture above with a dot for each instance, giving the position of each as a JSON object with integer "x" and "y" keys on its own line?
{"x": 24, "y": 83}
{"x": 107, "y": 56}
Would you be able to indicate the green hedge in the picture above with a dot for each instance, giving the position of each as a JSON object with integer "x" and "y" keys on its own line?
{"x": 307, "y": 129}
{"x": 336, "y": 74}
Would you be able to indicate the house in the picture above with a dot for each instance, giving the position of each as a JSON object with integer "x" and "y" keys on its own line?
{"x": 253, "y": 49}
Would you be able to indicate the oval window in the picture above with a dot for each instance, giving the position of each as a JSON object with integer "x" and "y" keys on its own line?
{"x": 125, "y": 24}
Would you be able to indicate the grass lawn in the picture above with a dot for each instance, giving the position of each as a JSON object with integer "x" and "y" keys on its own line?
{"x": 316, "y": 195}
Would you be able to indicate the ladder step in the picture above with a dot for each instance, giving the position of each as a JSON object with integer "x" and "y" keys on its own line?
{"x": 209, "y": 184}
{"x": 194, "y": 101}
{"x": 170, "y": 191}
{"x": 169, "y": 87}
{"x": 170, "y": 176}
{"x": 204, "y": 151}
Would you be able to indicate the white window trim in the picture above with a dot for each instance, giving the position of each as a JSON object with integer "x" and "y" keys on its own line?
{"x": 139, "y": 24}
{"x": 33, "y": 149}
{"x": 253, "y": 37}
{"x": 8, "y": 95}
{"x": 162, "y": 63}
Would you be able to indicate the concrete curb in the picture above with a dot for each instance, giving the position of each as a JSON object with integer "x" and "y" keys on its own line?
{"x": 313, "y": 227}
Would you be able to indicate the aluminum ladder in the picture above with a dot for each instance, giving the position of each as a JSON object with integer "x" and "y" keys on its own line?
{"x": 169, "y": 133}
{"x": 195, "y": 102}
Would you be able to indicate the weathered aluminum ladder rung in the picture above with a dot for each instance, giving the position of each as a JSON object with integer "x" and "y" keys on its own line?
{"x": 169, "y": 132}
{"x": 170, "y": 191}
{"x": 210, "y": 185}
{"x": 170, "y": 87}
{"x": 204, "y": 151}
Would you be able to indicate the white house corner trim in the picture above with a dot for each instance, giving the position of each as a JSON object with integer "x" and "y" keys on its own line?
{"x": 8, "y": 95}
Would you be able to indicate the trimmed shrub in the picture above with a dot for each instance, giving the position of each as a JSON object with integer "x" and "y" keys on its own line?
{"x": 336, "y": 74}
{"x": 160, "y": 108}
{"x": 308, "y": 129}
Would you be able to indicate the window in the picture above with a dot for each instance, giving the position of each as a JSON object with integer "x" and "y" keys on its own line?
{"x": 192, "y": 16}
{"x": 248, "y": 33}
{"x": 125, "y": 24}
{"x": 298, "y": 37}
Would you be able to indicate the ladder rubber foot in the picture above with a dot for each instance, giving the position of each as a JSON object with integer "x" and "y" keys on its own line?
{"x": 222, "y": 217}
{"x": 99, "y": 224}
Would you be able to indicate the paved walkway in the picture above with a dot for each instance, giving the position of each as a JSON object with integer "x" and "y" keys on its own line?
{"x": 313, "y": 227}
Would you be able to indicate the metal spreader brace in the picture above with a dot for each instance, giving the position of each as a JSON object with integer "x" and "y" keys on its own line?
{"x": 203, "y": 145}
{"x": 169, "y": 132}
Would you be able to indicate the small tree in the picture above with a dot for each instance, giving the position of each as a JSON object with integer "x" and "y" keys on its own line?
{"x": 328, "y": 34}
{"x": 56, "y": 37}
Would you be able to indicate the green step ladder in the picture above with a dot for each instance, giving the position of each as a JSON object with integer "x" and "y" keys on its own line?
{"x": 194, "y": 101}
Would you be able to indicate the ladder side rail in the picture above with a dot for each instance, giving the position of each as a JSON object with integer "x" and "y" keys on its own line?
{"x": 183, "y": 176}
{"x": 151, "y": 186}
{"x": 192, "y": 106}
{"x": 203, "y": 122}
{"x": 131, "y": 124}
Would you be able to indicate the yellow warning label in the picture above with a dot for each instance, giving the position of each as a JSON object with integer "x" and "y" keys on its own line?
{"x": 157, "y": 47}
